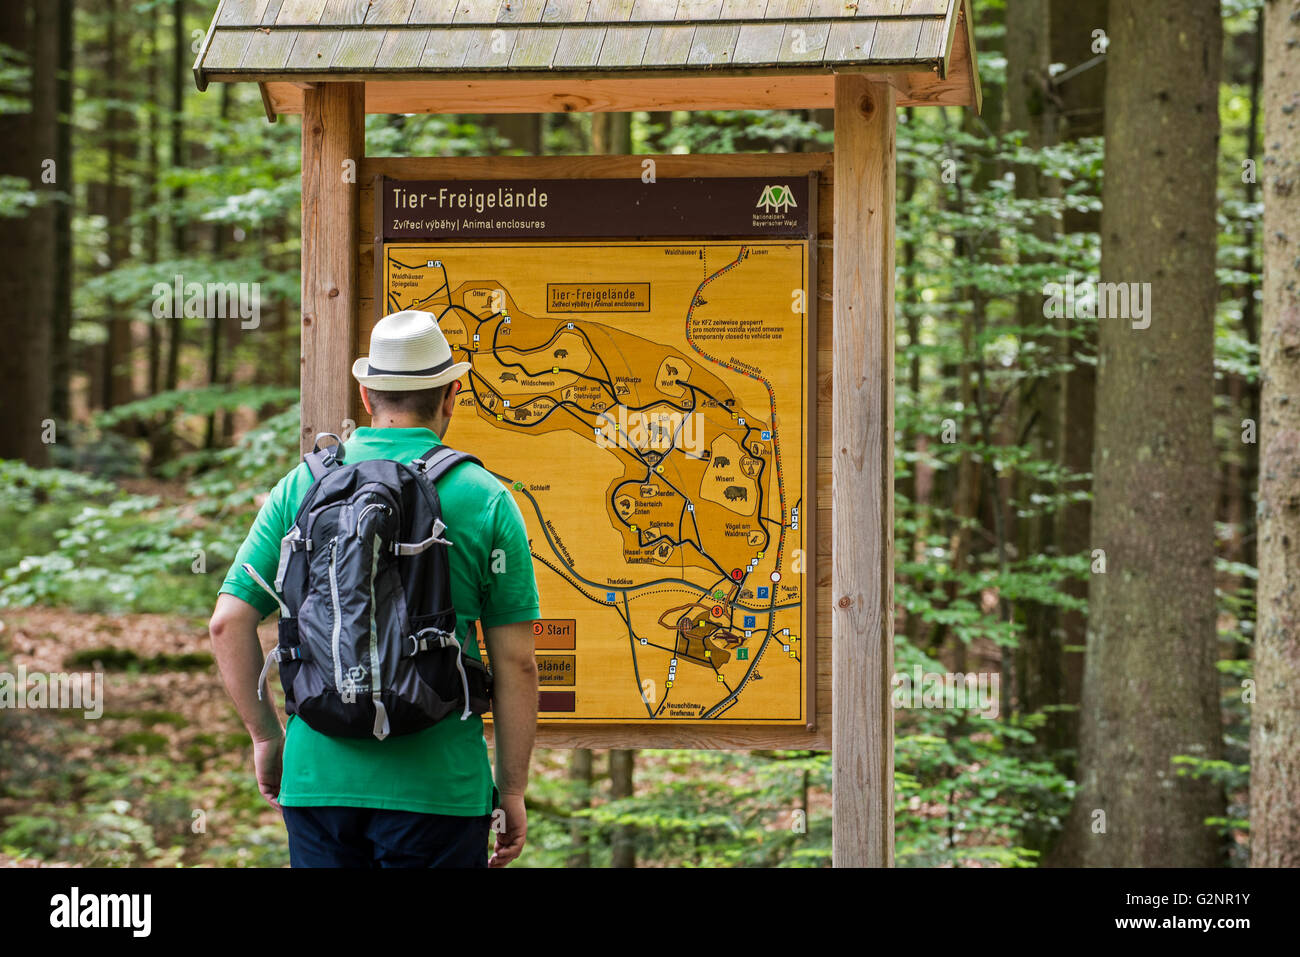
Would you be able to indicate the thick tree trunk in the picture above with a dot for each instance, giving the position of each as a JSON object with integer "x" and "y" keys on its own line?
{"x": 26, "y": 254}
{"x": 1275, "y": 722}
{"x": 1150, "y": 685}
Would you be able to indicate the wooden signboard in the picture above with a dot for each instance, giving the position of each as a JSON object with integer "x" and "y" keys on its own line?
{"x": 643, "y": 381}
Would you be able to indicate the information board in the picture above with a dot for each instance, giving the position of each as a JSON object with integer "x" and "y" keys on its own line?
{"x": 649, "y": 403}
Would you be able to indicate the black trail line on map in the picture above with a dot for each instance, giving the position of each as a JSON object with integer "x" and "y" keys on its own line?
{"x": 573, "y": 408}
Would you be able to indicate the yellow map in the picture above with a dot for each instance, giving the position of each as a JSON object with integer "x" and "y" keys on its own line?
{"x": 647, "y": 404}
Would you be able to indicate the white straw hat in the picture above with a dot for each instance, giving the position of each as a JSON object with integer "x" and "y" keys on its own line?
{"x": 407, "y": 352}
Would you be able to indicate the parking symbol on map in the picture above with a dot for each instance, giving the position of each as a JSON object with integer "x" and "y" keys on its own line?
{"x": 749, "y": 621}
{"x": 762, "y": 591}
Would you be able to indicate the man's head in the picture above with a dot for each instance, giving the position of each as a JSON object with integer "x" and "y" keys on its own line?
{"x": 409, "y": 378}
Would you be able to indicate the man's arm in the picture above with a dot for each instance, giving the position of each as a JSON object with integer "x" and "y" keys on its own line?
{"x": 233, "y": 630}
{"x": 514, "y": 726}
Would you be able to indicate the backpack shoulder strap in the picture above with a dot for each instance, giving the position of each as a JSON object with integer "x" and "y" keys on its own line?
{"x": 439, "y": 460}
{"x": 321, "y": 461}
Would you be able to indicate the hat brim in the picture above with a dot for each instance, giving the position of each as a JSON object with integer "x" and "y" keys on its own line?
{"x": 406, "y": 383}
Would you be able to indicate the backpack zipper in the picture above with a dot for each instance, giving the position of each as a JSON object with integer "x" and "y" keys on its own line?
{"x": 338, "y": 619}
{"x": 381, "y": 728}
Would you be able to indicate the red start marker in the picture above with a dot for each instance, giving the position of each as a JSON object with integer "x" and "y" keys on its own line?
{"x": 537, "y": 628}
{"x": 737, "y": 574}
{"x": 717, "y": 611}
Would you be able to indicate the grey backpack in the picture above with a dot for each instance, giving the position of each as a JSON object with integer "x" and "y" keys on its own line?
{"x": 367, "y": 642}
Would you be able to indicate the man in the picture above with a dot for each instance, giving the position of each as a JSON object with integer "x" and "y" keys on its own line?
{"x": 416, "y": 800}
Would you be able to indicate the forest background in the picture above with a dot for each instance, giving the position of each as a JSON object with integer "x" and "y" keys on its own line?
{"x": 1091, "y": 532}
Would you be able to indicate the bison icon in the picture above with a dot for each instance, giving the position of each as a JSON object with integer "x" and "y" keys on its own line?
{"x": 736, "y": 493}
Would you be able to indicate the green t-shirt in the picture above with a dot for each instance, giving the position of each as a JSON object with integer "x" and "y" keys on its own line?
{"x": 444, "y": 769}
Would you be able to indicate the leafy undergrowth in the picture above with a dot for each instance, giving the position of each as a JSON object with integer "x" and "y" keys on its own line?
{"x": 164, "y": 777}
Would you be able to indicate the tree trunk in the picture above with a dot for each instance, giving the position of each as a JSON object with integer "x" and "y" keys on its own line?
{"x": 117, "y": 353}
{"x": 580, "y": 775}
{"x": 180, "y": 64}
{"x": 1082, "y": 105}
{"x": 26, "y": 252}
{"x": 1275, "y": 723}
{"x": 522, "y": 130}
{"x": 622, "y": 764}
{"x": 64, "y": 262}
{"x": 611, "y": 133}
{"x": 1030, "y": 108}
{"x": 219, "y": 231}
{"x": 1150, "y": 684}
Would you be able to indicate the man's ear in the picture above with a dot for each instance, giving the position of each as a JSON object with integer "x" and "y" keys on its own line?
{"x": 365, "y": 399}
{"x": 449, "y": 400}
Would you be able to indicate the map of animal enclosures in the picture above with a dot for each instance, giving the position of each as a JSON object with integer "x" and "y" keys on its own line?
{"x": 648, "y": 403}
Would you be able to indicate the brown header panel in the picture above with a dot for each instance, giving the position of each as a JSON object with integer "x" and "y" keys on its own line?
{"x": 613, "y": 208}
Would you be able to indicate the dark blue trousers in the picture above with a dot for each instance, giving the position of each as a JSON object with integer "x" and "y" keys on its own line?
{"x": 371, "y": 837}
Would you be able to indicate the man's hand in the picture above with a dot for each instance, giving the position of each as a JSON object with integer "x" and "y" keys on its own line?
{"x": 511, "y": 841}
{"x": 266, "y": 759}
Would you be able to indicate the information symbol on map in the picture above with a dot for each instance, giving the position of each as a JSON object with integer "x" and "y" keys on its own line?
{"x": 785, "y": 631}
{"x": 568, "y": 325}
{"x": 476, "y": 337}
{"x": 432, "y": 265}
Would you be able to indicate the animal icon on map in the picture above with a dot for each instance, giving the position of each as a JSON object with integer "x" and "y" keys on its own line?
{"x": 561, "y": 353}
{"x": 721, "y": 462}
{"x": 509, "y": 377}
{"x": 736, "y": 493}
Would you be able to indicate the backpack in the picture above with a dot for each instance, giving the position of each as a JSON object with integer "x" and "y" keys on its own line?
{"x": 367, "y": 637}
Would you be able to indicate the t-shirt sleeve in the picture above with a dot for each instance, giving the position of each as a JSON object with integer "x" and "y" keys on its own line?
{"x": 510, "y": 589}
{"x": 261, "y": 549}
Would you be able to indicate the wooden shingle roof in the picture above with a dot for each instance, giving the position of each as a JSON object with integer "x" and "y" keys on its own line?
{"x": 924, "y": 45}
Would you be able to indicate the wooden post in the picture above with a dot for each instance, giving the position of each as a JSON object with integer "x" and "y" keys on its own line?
{"x": 333, "y": 133}
{"x": 862, "y": 497}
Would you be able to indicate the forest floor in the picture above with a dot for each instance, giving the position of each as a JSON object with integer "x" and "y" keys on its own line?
{"x": 164, "y": 777}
